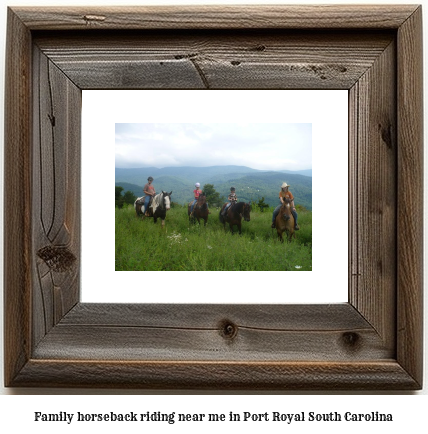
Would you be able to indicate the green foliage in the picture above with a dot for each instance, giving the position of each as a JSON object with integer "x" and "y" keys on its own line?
{"x": 118, "y": 192}
{"x": 136, "y": 189}
{"x": 261, "y": 205}
{"x": 268, "y": 185}
{"x": 181, "y": 246}
{"x": 118, "y": 197}
{"x": 213, "y": 197}
{"x": 129, "y": 197}
{"x": 250, "y": 184}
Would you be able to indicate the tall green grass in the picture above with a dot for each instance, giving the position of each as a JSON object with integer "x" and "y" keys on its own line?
{"x": 180, "y": 245}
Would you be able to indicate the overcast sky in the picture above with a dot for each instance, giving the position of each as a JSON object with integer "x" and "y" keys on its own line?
{"x": 259, "y": 146}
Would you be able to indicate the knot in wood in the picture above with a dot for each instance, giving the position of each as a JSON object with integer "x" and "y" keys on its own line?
{"x": 227, "y": 329}
{"x": 58, "y": 259}
{"x": 351, "y": 340}
{"x": 258, "y": 48}
{"x": 386, "y": 134}
{"x": 94, "y": 18}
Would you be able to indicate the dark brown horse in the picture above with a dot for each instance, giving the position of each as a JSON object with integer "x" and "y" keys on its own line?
{"x": 200, "y": 210}
{"x": 234, "y": 215}
{"x": 284, "y": 221}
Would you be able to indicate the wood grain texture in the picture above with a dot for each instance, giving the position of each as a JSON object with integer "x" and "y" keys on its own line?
{"x": 374, "y": 197}
{"x": 216, "y": 375}
{"x": 17, "y": 199}
{"x": 216, "y": 17}
{"x": 210, "y": 316}
{"x": 372, "y": 342}
{"x": 199, "y": 332}
{"x": 216, "y": 60}
{"x": 56, "y": 194}
{"x": 410, "y": 205}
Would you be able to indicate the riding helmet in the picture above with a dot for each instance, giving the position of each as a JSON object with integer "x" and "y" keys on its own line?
{"x": 197, "y": 185}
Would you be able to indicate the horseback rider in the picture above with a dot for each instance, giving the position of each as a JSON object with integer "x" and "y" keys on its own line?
{"x": 285, "y": 194}
{"x": 196, "y": 192}
{"x": 232, "y": 198}
{"x": 150, "y": 192}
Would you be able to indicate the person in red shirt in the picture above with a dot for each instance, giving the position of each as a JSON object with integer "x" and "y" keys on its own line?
{"x": 285, "y": 193}
{"x": 150, "y": 192}
{"x": 196, "y": 192}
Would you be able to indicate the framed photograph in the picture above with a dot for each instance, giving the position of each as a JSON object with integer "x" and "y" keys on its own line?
{"x": 316, "y": 120}
{"x": 373, "y": 341}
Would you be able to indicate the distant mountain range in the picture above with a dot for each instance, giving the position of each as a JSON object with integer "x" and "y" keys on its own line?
{"x": 250, "y": 184}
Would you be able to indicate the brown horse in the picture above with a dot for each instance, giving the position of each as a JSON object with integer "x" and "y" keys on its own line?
{"x": 200, "y": 210}
{"x": 234, "y": 215}
{"x": 284, "y": 221}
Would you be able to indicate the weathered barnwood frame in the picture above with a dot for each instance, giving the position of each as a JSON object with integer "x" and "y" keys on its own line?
{"x": 372, "y": 342}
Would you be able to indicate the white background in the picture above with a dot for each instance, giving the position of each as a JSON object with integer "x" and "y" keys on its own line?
{"x": 328, "y": 113}
{"x": 17, "y": 412}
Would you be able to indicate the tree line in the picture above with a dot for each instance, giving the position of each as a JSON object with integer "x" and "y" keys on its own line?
{"x": 213, "y": 198}
{"x": 127, "y": 198}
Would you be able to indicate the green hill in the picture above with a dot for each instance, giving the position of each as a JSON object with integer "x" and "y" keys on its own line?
{"x": 136, "y": 189}
{"x": 250, "y": 184}
{"x": 189, "y": 174}
{"x": 179, "y": 187}
{"x": 268, "y": 185}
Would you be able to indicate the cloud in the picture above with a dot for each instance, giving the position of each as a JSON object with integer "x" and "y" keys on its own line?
{"x": 268, "y": 146}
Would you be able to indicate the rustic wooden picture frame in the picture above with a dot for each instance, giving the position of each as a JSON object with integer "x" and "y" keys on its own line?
{"x": 372, "y": 342}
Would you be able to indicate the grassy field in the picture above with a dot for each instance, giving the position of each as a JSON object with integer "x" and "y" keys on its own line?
{"x": 181, "y": 246}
